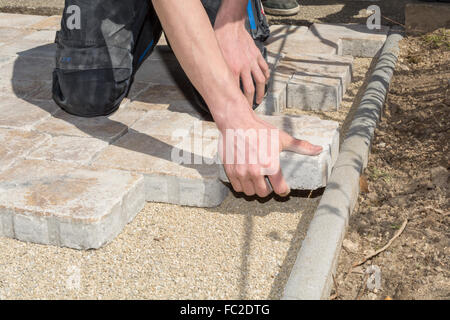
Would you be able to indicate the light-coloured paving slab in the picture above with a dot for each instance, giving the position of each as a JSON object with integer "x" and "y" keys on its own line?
{"x": 317, "y": 83}
{"x": 356, "y": 39}
{"x": 28, "y": 68}
{"x": 18, "y": 143}
{"x": 49, "y": 203}
{"x": 16, "y": 113}
{"x": 49, "y": 23}
{"x": 294, "y": 39}
{"x": 105, "y": 128}
{"x": 426, "y": 17}
{"x": 301, "y": 171}
{"x": 11, "y": 20}
{"x": 74, "y": 150}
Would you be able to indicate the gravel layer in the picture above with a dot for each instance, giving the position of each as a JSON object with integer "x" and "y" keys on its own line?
{"x": 242, "y": 249}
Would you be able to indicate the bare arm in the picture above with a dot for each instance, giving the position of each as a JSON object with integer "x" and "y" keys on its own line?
{"x": 196, "y": 46}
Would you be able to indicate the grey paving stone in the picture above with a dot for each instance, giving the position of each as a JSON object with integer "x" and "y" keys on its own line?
{"x": 356, "y": 40}
{"x": 317, "y": 82}
{"x": 29, "y": 48}
{"x": 16, "y": 113}
{"x": 300, "y": 171}
{"x": 15, "y": 144}
{"x": 10, "y": 20}
{"x": 426, "y": 17}
{"x": 63, "y": 205}
{"x": 105, "y": 128}
{"x": 11, "y": 34}
{"x": 177, "y": 163}
{"x": 28, "y": 68}
{"x": 74, "y": 150}
{"x": 293, "y": 39}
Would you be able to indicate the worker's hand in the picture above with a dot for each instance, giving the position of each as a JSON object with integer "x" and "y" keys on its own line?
{"x": 242, "y": 55}
{"x": 250, "y": 150}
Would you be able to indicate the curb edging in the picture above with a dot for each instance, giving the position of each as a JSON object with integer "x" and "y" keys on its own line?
{"x": 311, "y": 275}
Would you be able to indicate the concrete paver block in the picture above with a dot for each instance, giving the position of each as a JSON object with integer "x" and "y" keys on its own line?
{"x": 28, "y": 48}
{"x": 43, "y": 36}
{"x": 75, "y": 150}
{"x": 161, "y": 94}
{"x": 49, "y": 23}
{"x": 155, "y": 147}
{"x": 163, "y": 72}
{"x": 317, "y": 82}
{"x": 18, "y": 143}
{"x": 11, "y": 34}
{"x": 11, "y": 20}
{"x": 356, "y": 39}
{"x": 21, "y": 88}
{"x": 20, "y": 114}
{"x": 47, "y": 203}
{"x": 29, "y": 68}
{"x": 105, "y": 128}
{"x": 300, "y": 171}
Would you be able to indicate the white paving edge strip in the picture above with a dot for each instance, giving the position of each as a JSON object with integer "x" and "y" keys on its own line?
{"x": 311, "y": 275}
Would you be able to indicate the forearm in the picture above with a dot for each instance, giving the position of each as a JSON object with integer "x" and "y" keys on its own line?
{"x": 194, "y": 43}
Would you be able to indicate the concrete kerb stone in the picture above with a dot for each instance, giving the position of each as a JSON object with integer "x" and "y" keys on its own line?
{"x": 311, "y": 276}
{"x": 65, "y": 205}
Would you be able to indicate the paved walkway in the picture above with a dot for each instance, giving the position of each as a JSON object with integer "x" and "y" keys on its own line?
{"x": 77, "y": 182}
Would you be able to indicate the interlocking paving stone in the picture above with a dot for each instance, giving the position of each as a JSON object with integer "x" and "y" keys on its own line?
{"x": 356, "y": 39}
{"x": 11, "y": 34}
{"x": 426, "y": 17}
{"x": 45, "y": 36}
{"x": 49, "y": 203}
{"x": 317, "y": 82}
{"x": 17, "y": 143}
{"x": 50, "y": 23}
{"x": 155, "y": 145}
{"x": 105, "y": 128}
{"x": 297, "y": 39}
{"x": 20, "y": 88}
{"x": 20, "y": 114}
{"x": 162, "y": 72}
{"x": 75, "y": 150}
{"x": 300, "y": 171}
{"x": 28, "y": 48}
{"x": 10, "y": 20}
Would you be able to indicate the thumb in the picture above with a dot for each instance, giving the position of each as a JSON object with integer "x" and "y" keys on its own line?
{"x": 289, "y": 143}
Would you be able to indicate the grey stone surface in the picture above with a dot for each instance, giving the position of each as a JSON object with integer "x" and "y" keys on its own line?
{"x": 108, "y": 128}
{"x": 356, "y": 39}
{"x": 10, "y": 20}
{"x": 155, "y": 147}
{"x": 16, "y": 113}
{"x": 15, "y": 144}
{"x": 63, "y": 205}
{"x": 67, "y": 149}
{"x": 300, "y": 171}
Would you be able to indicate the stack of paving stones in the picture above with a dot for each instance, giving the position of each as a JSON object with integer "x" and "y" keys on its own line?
{"x": 76, "y": 182}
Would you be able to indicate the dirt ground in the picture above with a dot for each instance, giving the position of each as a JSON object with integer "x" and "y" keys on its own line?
{"x": 406, "y": 179}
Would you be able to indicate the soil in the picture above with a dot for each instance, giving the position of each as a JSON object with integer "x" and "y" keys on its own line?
{"x": 406, "y": 179}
